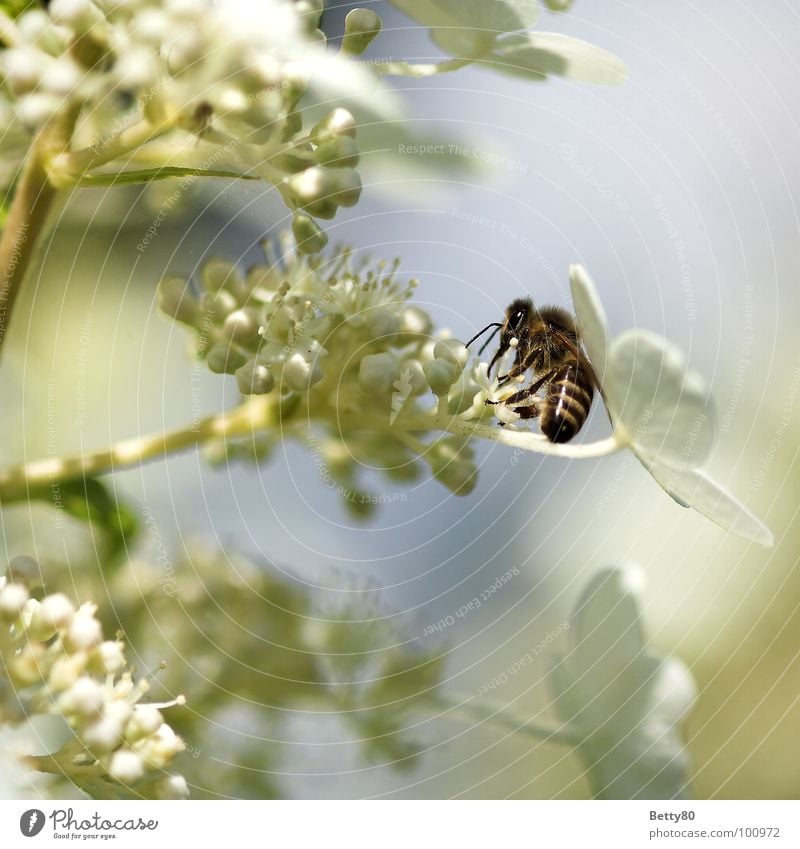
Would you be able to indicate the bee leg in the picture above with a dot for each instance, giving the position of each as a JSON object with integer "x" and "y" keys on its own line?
{"x": 529, "y": 411}
{"x": 527, "y": 392}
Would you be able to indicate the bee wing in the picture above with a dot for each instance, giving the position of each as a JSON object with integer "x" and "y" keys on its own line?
{"x": 583, "y": 359}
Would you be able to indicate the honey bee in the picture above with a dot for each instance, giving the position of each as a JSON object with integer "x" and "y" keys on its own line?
{"x": 547, "y": 343}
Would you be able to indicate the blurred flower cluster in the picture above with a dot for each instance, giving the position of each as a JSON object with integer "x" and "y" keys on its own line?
{"x": 251, "y": 646}
{"x": 187, "y": 83}
{"x": 247, "y": 644}
{"x": 55, "y": 661}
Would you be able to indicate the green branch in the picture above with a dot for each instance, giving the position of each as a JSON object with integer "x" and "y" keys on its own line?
{"x": 17, "y": 482}
{"x": 27, "y": 216}
{"x": 471, "y": 708}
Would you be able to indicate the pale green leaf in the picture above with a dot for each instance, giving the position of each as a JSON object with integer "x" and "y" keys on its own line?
{"x": 694, "y": 488}
{"x": 469, "y": 27}
{"x": 659, "y": 406}
{"x": 537, "y": 55}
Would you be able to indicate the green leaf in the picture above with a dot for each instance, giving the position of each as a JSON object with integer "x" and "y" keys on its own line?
{"x": 537, "y": 55}
{"x": 468, "y": 28}
{"x": 14, "y": 8}
{"x": 92, "y": 502}
{"x": 150, "y": 175}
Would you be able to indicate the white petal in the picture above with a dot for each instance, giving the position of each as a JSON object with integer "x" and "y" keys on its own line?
{"x": 539, "y": 54}
{"x": 591, "y": 318}
{"x": 695, "y": 489}
{"x": 662, "y": 407}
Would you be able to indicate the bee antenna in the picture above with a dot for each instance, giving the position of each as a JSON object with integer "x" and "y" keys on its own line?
{"x": 495, "y": 324}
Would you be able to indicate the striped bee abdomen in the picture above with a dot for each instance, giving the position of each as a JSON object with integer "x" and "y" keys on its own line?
{"x": 566, "y": 405}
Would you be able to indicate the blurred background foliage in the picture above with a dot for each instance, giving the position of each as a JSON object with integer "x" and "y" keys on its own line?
{"x": 677, "y": 190}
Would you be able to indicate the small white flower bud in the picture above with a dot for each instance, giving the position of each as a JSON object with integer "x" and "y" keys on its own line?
{"x": 35, "y": 109}
{"x": 341, "y": 152}
{"x": 441, "y": 375}
{"x": 23, "y": 68}
{"x": 79, "y": 15}
{"x": 216, "y": 305}
{"x": 186, "y": 49}
{"x": 378, "y": 372}
{"x": 84, "y": 632}
{"x": 231, "y": 101}
{"x": 338, "y": 122}
{"x": 106, "y": 733}
{"x": 85, "y": 698}
{"x": 27, "y": 667}
{"x": 146, "y": 720}
{"x": 36, "y": 27}
{"x": 265, "y": 72}
{"x": 382, "y": 323}
{"x": 361, "y": 27}
{"x": 242, "y": 326}
{"x": 161, "y": 747}
{"x": 171, "y": 787}
{"x": 53, "y": 613}
{"x": 154, "y": 26}
{"x": 66, "y": 671}
{"x": 61, "y": 77}
{"x": 308, "y": 235}
{"x": 346, "y": 186}
{"x": 111, "y": 655}
{"x": 12, "y": 600}
{"x": 217, "y": 273}
{"x": 223, "y": 359}
{"x": 416, "y": 322}
{"x": 175, "y": 299}
{"x": 254, "y": 379}
{"x": 126, "y": 766}
{"x": 298, "y": 374}
{"x": 311, "y": 185}
{"x": 136, "y": 68}
{"x": 451, "y": 350}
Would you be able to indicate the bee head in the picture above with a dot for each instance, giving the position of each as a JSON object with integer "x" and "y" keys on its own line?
{"x": 517, "y": 315}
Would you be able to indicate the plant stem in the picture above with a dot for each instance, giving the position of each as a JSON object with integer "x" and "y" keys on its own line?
{"x": 27, "y": 217}
{"x": 253, "y": 415}
{"x": 68, "y": 168}
{"x": 470, "y": 709}
{"x": 524, "y": 439}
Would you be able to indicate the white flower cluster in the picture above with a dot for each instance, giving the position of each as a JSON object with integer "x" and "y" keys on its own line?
{"x": 55, "y": 661}
{"x": 337, "y": 343}
{"x": 229, "y": 72}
